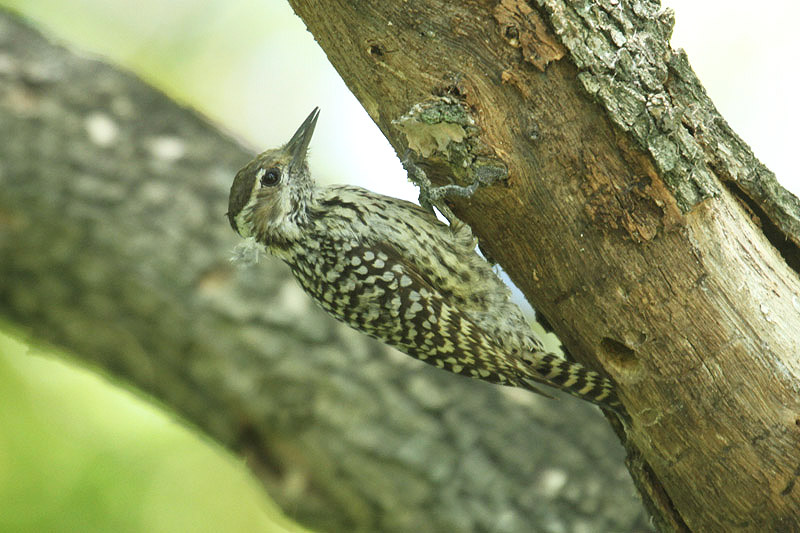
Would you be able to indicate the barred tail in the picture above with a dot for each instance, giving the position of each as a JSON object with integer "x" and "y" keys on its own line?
{"x": 575, "y": 379}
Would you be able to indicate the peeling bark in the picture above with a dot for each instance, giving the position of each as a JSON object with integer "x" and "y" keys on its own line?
{"x": 632, "y": 217}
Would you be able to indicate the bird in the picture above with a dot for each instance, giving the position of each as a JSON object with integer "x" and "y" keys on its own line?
{"x": 392, "y": 270}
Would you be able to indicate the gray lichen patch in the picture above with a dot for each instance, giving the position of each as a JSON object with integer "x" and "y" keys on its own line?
{"x": 425, "y": 139}
{"x": 664, "y": 152}
{"x": 432, "y": 126}
{"x": 626, "y": 63}
{"x": 443, "y": 132}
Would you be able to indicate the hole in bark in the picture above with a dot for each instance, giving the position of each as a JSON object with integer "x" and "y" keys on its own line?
{"x": 511, "y": 32}
{"x": 617, "y": 353}
{"x": 376, "y": 50}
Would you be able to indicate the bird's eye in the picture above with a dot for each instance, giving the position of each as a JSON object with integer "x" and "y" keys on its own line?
{"x": 271, "y": 177}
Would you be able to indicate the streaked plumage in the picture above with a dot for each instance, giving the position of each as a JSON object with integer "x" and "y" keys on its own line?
{"x": 390, "y": 269}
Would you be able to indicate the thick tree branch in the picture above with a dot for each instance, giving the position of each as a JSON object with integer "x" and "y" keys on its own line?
{"x": 113, "y": 244}
{"x": 630, "y": 214}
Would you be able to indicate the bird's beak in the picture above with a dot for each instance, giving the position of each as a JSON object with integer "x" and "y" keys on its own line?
{"x": 297, "y": 147}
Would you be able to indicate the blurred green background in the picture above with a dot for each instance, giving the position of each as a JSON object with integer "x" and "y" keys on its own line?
{"x": 78, "y": 453}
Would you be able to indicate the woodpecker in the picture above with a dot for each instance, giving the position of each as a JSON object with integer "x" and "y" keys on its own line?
{"x": 391, "y": 269}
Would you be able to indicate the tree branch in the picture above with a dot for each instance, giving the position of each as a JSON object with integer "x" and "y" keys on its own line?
{"x": 113, "y": 244}
{"x": 630, "y": 215}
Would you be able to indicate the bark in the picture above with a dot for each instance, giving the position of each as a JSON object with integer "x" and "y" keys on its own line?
{"x": 628, "y": 212}
{"x": 113, "y": 244}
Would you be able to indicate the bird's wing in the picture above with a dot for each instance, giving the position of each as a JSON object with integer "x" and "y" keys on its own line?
{"x": 433, "y": 329}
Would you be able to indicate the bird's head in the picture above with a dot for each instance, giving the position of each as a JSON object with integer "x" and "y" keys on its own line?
{"x": 268, "y": 197}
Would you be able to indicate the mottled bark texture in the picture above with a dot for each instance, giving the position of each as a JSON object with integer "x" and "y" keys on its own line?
{"x": 113, "y": 244}
{"x": 626, "y": 210}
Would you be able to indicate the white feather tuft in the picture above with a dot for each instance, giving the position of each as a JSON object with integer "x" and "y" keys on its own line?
{"x": 247, "y": 252}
